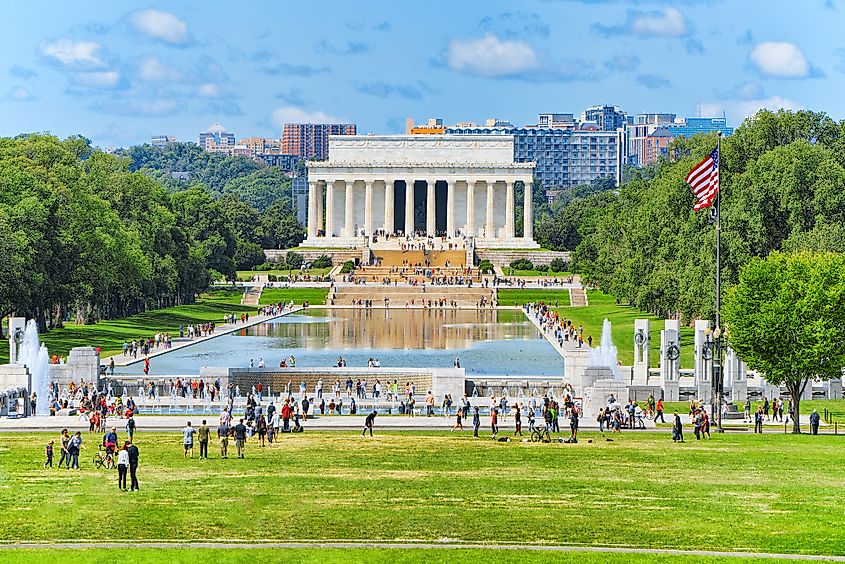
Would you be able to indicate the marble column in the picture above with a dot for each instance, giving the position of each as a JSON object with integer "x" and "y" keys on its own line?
{"x": 528, "y": 213}
{"x": 312, "y": 210}
{"x": 349, "y": 211}
{"x": 509, "y": 210}
{"x": 368, "y": 208}
{"x": 319, "y": 206}
{"x": 490, "y": 229}
{"x": 389, "y": 187}
{"x": 430, "y": 213}
{"x": 330, "y": 209}
{"x": 450, "y": 208}
{"x": 470, "y": 208}
{"x": 409, "y": 208}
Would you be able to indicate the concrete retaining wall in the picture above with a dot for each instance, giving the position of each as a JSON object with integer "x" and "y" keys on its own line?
{"x": 504, "y": 257}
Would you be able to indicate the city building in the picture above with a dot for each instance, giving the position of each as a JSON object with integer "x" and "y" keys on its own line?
{"x": 433, "y": 126}
{"x": 650, "y": 135}
{"x": 607, "y": 118}
{"x": 262, "y": 145}
{"x": 435, "y": 185}
{"x": 564, "y": 154}
{"x": 285, "y": 162}
{"x": 216, "y": 139}
{"x": 311, "y": 140}
{"x": 162, "y": 140}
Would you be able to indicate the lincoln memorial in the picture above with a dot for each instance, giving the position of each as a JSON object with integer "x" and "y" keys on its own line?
{"x": 453, "y": 186}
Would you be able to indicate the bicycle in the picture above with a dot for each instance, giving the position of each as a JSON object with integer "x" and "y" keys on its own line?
{"x": 104, "y": 459}
{"x": 541, "y": 434}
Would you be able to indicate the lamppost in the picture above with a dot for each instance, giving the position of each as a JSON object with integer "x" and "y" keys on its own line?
{"x": 712, "y": 353}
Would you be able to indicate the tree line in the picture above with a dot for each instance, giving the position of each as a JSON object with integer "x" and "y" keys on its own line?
{"x": 88, "y": 235}
{"x": 782, "y": 189}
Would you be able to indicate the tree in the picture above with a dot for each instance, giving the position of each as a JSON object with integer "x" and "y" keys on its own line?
{"x": 785, "y": 319}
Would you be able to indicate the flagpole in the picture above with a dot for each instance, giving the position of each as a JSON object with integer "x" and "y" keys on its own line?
{"x": 719, "y": 283}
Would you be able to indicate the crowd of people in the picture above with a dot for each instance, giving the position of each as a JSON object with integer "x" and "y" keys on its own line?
{"x": 551, "y": 322}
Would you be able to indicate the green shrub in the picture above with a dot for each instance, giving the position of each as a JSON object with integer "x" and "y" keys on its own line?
{"x": 485, "y": 266}
{"x": 263, "y": 267}
{"x": 542, "y": 268}
{"x": 323, "y": 261}
{"x": 294, "y": 260}
{"x": 522, "y": 264}
{"x": 347, "y": 267}
{"x": 558, "y": 265}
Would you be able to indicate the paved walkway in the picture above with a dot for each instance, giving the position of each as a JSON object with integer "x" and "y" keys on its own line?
{"x": 182, "y": 342}
{"x": 445, "y": 544}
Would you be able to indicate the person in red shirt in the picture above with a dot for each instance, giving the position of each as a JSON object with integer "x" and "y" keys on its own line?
{"x": 286, "y": 413}
{"x": 658, "y": 411}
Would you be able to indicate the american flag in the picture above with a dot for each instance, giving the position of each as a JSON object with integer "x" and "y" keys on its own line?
{"x": 704, "y": 180}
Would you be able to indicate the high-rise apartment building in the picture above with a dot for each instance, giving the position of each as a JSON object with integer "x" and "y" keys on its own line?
{"x": 311, "y": 140}
{"x": 216, "y": 138}
{"x": 650, "y": 135}
{"x": 607, "y": 118}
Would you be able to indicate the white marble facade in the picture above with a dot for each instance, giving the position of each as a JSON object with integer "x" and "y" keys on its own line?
{"x": 463, "y": 185}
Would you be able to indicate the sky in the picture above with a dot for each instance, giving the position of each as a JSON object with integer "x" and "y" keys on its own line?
{"x": 120, "y": 72}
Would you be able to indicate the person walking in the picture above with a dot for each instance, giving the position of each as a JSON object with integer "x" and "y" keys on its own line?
{"x": 476, "y": 422}
{"x": 49, "y": 452}
{"x": 677, "y": 429}
{"x": 494, "y": 422}
{"x": 223, "y": 433}
{"x": 458, "y": 420}
{"x": 132, "y": 452}
{"x": 122, "y": 467}
{"x": 573, "y": 425}
{"x": 261, "y": 427}
{"x": 814, "y": 422}
{"x": 188, "y": 439}
{"x": 758, "y": 421}
{"x": 368, "y": 423}
{"x": 130, "y": 427}
{"x": 65, "y": 453}
{"x": 74, "y": 446}
{"x": 658, "y": 411}
{"x": 517, "y": 419}
{"x": 202, "y": 434}
{"x": 240, "y": 438}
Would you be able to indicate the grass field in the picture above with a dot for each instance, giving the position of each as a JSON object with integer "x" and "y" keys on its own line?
{"x": 348, "y": 556}
{"x": 769, "y": 493}
{"x": 246, "y": 275}
{"x": 110, "y": 335}
{"x": 513, "y": 296}
{"x": 314, "y": 296}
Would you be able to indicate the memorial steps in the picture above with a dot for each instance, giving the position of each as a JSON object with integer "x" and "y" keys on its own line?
{"x": 413, "y": 296}
{"x": 434, "y": 258}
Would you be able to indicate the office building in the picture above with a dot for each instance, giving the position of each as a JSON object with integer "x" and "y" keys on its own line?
{"x": 651, "y": 133}
{"x": 162, "y": 140}
{"x": 216, "y": 139}
{"x": 311, "y": 140}
{"x": 606, "y": 118}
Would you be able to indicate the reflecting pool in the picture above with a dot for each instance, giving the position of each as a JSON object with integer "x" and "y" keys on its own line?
{"x": 490, "y": 343}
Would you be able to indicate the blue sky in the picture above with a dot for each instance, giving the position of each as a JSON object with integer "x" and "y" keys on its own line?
{"x": 118, "y": 72}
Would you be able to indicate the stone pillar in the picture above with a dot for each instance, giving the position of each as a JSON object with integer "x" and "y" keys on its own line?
{"x": 15, "y": 324}
{"x": 409, "y": 207}
{"x": 509, "y": 210}
{"x": 734, "y": 377}
{"x": 430, "y": 210}
{"x": 368, "y": 208}
{"x": 641, "y": 351}
{"x": 528, "y": 213}
{"x": 389, "y": 188}
{"x": 489, "y": 227}
{"x": 450, "y": 208}
{"x": 312, "y": 210}
{"x": 349, "y": 211}
{"x": 330, "y": 209}
{"x": 319, "y": 206}
{"x": 702, "y": 367}
{"x": 470, "y": 208}
{"x": 670, "y": 367}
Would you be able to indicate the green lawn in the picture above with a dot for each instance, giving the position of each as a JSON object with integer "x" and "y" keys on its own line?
{"x": 110, "y": 335}
{"x": 515, "y": 272}
{"x": 246, "y": 275}
{"x": 513, "y": 296}
{"x": 346, "y": 556}
{"x": 769, "y": 493}
{"x": 314, "y": 296}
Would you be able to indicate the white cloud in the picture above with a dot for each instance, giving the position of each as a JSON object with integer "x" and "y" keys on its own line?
{"x": 160, "y": 26}
{"x": 208, "y": 90}
{"x": 491, "y": 57}
{"x": 155, "y": 107}
{"x": 19, "y": 94}
{"x": 96, "y": 79}
{"x": 669, "y": 23}
{"x": 73, "y": 54}
{"x": 151, "y": 69}
{"x": 779, "y": 59}
{"x": 737, "y": 110}
{"x": 292, "y": 114}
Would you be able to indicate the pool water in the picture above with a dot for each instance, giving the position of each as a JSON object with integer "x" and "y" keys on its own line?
{"x": 488, "y": 343}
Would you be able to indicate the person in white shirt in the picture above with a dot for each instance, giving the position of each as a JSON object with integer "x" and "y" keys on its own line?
{"x": 122, "y": 467}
